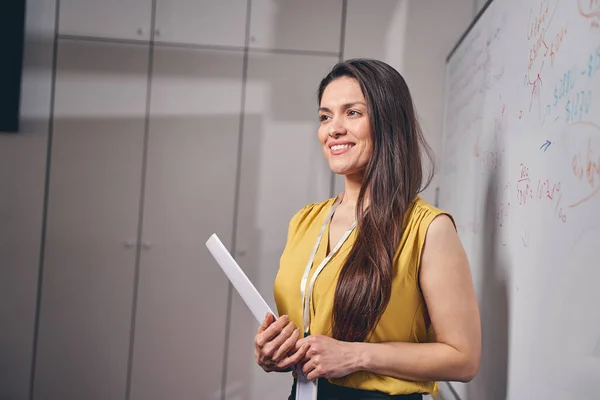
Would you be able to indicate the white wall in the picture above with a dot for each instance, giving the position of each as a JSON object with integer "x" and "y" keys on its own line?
{"x": 415, "y": 37}
{"x": 22, "y": 176}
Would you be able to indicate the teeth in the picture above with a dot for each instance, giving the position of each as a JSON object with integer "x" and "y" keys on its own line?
{"x": 341, "y": 146}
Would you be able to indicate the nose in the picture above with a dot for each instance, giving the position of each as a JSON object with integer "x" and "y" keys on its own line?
{"x": 336, "y": 129}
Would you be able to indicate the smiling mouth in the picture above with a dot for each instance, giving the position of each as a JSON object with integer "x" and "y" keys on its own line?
{"x": 338, "y": 149}
{"x": 341, "y": 146}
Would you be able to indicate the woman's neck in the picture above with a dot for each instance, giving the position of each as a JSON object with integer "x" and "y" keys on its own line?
{"x": 352, "y": 190}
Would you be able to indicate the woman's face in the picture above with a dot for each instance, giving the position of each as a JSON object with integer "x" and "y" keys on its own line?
{"x": 345, "y": 131}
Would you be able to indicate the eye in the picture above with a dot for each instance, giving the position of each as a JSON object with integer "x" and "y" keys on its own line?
{"x": 353, "y": 113}
{"x": 323, "y": 117}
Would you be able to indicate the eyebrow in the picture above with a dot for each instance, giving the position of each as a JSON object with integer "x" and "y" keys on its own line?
{"x": 345, "y": 106}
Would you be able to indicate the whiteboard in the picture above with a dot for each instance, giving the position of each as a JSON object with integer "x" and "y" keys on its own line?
{"x": 520, "y": 173}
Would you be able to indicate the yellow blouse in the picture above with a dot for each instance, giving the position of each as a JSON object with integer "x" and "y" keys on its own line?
{"x": 405, "y": 318}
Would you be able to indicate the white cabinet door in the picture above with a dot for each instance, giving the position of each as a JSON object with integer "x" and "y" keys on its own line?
{"x": 202, "y": 22}
{"x": 122, "y": 19}
{"x": 93, "y": 213}
{"x": 310, "y": 25}
{"x": 283, "y": 169}
{"x": 190, "y": 188}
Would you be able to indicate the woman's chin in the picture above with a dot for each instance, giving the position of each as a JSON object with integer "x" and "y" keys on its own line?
{"x": 342, "y": 169}
{"x": 352, "y": 174}
{"x": 338, "y": 168}
{"x": 338, "y": 171}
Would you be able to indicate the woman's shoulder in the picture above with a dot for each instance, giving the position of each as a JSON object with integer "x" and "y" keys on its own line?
{"x": 309, "y": 213}
{"x": 422, "y": 213}
{"x": 418, "y": 220}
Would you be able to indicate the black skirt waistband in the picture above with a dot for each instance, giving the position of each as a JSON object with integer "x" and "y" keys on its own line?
{"x": 329, "y": 391}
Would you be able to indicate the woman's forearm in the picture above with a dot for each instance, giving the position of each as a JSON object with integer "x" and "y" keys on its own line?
{"x": 415, "y": 361}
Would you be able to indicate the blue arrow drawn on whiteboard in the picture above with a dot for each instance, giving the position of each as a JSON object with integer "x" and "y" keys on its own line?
{"x": 546, "y": 145}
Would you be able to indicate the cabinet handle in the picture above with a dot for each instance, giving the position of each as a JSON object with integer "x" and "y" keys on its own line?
{"x": 129, "y": 244}
{"x": 157, "y": 32}
{"x": 146, "y": 245}
{"x": 140, "y": 31}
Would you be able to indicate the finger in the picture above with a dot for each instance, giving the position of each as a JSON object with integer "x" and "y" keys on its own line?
{"x": 274, "y": 344}
{"x": 271, "y": 331}
{"x": 307, "y": 368}
{"x": 258, "y": 339}
{"x": 269, "y": 318}
{"x": 313, "y": 375}
{"x": 309, "y": 340}
{"x": 293, "y": 358}
{"x": 287, "y": 345}
{"x": 311, "y": 351}
{"x": 277, "y": 326}
{"x": 301, "y": 342}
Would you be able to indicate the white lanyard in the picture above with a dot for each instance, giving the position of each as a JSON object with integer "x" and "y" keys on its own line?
{"x": 306, "y": 295}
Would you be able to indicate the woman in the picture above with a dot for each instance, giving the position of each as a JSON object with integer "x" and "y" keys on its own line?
{"x": 393, "y": 309}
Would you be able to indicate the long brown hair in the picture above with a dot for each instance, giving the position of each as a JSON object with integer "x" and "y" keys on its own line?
{"x": 392, "y": 179}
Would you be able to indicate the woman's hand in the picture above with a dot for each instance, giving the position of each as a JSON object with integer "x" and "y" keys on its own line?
{"x": 275, "y": 344}
{"x": 328, "y": 358}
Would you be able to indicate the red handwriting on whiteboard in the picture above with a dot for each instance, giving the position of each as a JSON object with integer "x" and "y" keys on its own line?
{"x": 547, "y": 189}
{"x": 556, "y": 43}
{"x": 524, "y": 190}
{"x": 535, "y": 89}
{"x": 538, "y": 19}
{"x": 559, "y": 211}
{"x": 542, "y": 46}
{"x": 493, "y": 158}
{"x": 590, "y": 9}
{"x": 544, "y": 190}
{"x": 503, "y": 211}
{"x": 486, "y": 150}
{"x": 524, "y": 171}
{"x": 587, "y": 167}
